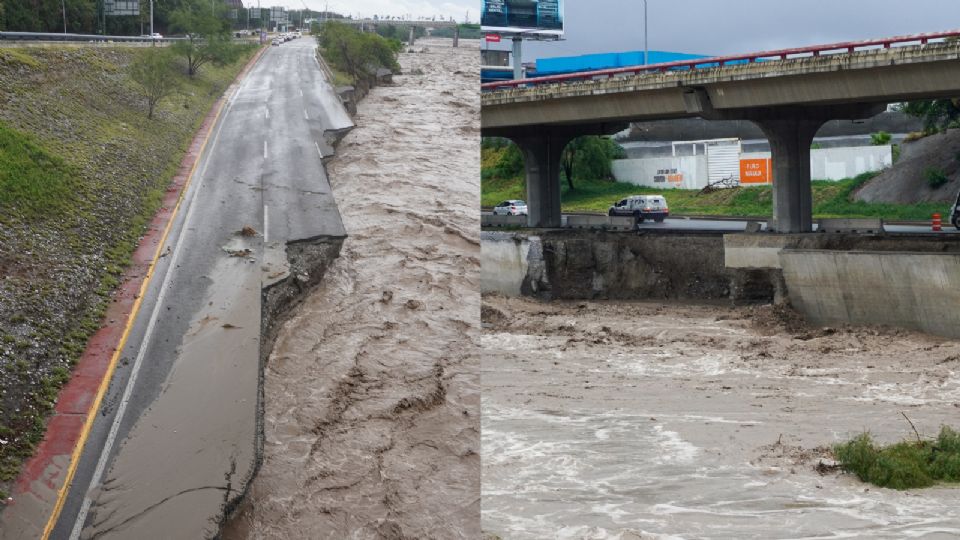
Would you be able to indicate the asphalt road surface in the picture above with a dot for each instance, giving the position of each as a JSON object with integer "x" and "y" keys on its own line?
{"x": 735, "y": 225}
{"x": 175, "y": 439}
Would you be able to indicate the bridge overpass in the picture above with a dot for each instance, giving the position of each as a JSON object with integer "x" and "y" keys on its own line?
{"x": 788, "y": 93}
{"x": 412, "y": 24}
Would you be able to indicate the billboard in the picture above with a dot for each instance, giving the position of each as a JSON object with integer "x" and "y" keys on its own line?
{"x": 522, "y": 17}
{"x": 118, "y": 8}
{"x": 278, "y": 15}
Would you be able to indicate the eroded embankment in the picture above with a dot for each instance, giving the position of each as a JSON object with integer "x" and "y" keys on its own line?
{"x": 623, "y": 266}
{"x": 646, "y": 419}
{"x": 372, "y": 392}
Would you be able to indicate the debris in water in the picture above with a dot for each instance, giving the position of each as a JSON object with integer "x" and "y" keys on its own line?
{"x": 414, "y": 304}
{"x": 247, "y": 231}
{"x": 238, "y": 252}
{"x": 387, "y": 297}
{"x": 229, "y": 326}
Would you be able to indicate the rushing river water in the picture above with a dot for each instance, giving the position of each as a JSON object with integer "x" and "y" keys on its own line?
{"x": 619, "y": 420}
{"x": 373, "y": 392}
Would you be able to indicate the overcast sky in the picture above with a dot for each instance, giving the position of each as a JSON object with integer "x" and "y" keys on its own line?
{"x": 714, "y": 27}
{"x": 418, "y": 8}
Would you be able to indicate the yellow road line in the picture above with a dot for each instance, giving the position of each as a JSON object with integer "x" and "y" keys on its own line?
{"x": 105, "y": 383}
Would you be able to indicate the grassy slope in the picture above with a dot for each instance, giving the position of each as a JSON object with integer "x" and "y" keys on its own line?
{"x": 831, "y": 199}
{"x": 82, "y": 171}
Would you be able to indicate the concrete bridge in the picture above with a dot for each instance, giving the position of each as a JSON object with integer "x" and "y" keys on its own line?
{"x": 412, "y": 25}
{"x": 788, "y": 93}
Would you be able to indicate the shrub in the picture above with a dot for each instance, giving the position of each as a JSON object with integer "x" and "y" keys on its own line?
{"x": 904, "y": 465}
{"x": 880, "y": 138}
{"x": 935, "y": 177}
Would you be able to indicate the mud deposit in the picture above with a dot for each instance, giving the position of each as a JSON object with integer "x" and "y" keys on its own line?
{"x": 645, "y": 420}
{"x": 372, "y": 392}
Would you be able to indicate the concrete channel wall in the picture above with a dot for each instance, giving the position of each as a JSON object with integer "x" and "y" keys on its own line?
{"x": 596, "y": 264}
{"x": 908, "y": 281}
{"x": 919, "y": 291}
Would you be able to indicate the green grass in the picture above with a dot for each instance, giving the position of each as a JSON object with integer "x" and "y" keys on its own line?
{"x": 904, "y": 465}
{"x": 32, "y": 178}
{"x": 830, "y": 199}
{"x": 82, "y": 172}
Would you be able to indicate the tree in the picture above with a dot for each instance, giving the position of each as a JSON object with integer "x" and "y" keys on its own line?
{"x": 154, "y": 71}
{"x": 937, "y": 114}
{"x": 589, "y": 157}
{"x": 568, "y": 157}
{"x": 207, "y": 37}
{"x": 360, "y": 55}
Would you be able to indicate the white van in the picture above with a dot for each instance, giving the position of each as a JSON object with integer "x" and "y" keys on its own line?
{"x": 642, "y": 207}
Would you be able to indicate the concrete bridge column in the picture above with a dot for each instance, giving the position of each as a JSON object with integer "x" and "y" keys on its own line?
{"x": 790, "y": 138}
{"x": 456, "y": 36}
{"x": 412, "y": 34}
{"x": 790, "y": 130}
{"x": 541, "y": 156}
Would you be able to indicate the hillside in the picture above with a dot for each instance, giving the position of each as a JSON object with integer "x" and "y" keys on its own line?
{"x": 81, "y": 172}
{"x": 907, "y": 181}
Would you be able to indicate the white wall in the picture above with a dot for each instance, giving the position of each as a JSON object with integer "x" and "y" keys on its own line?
{"x": 825, "y": 164}
{"x": 644, "y": 172}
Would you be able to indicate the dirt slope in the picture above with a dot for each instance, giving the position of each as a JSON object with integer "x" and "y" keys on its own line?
{"x": 906, "y": 181}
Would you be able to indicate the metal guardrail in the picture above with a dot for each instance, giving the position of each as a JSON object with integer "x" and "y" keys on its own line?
{"x": 86, "y": 38}
{"x": 781, "y": 54}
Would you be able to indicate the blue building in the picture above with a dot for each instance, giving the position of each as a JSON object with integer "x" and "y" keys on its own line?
{"x": 593, "y": 62}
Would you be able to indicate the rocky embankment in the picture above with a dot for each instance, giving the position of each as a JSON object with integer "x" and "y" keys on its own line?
{"x": 907, "y": 181}
{"x": 63, "y": 246}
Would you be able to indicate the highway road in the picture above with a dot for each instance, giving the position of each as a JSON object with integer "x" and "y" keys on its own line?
{"x": 738, "y": 225}
{"x": 176, "y": 438}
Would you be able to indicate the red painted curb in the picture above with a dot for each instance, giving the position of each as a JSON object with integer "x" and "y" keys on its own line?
{"x": 44, "y": 473}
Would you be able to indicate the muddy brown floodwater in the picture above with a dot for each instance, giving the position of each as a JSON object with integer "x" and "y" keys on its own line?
{"x": 372, "y": 391}
{"x": 645, "y": 420}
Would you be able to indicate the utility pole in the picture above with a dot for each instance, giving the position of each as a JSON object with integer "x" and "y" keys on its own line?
{"x": 517, "y": 58}
{"x": 646, "y": 50}
{"x": 63, "y": 4}
{"x": 151, "y": 18}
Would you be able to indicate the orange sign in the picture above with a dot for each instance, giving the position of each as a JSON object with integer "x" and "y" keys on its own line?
{"x": 755, "y": 171}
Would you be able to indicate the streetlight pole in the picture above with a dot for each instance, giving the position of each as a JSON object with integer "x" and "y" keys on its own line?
{"x": 646, "y": 50}
{"x": 151, "y": 18}
{"x": 63, "y": 4}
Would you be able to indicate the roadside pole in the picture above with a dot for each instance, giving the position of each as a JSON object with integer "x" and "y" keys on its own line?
{"x": 517, "y": 58}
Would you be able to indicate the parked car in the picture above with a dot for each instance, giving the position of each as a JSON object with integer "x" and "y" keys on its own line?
{"x": 275, "y": 42}
{"x": 156, "y": 35}
{"x": 642, "y": 207}
{"x": 512, "y": 207}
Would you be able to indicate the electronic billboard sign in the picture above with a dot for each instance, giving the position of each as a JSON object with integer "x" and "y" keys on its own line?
{"x": 522, "y": 17}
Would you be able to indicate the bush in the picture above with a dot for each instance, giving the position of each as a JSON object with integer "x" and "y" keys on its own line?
{"x": 935, "y": 177}
{"x": 880, "y": 138}
{"x": 904, "y": 465}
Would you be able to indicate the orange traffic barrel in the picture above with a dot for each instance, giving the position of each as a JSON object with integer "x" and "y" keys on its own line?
{"x": 937, "y": 223}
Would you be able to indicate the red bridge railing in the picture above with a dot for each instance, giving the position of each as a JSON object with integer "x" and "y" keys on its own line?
{"x": 782, "y": 54}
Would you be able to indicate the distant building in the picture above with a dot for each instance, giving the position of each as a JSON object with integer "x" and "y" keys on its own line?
{"x": 496, "y": 64}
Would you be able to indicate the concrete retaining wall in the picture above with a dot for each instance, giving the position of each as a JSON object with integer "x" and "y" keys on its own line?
{"x": 920, "y": 291}
{"x": 490, "y": 220}
{"x": 596, "y": 264}
{"x": 620, "y": 223}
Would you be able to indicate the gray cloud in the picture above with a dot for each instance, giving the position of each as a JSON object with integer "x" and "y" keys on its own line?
{"x": 715, "y": 27}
